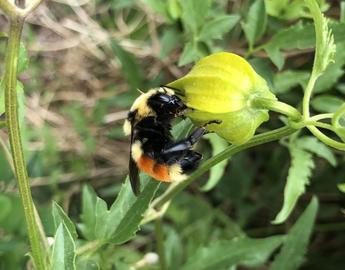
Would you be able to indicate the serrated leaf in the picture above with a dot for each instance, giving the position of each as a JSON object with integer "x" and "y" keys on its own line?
{"x": 225, "y": 254}
{"x": 59, "y": 217}
{"x": 316, "y": 147}
{"x": 63, "y": 256}
{"x": 256, "y": 21}
{"x": 292, "y": 253}
{"x": 298, "y": 177}
{"x": 333, "y": 72}
{"x": 286, "y": 40}
{"x": 218, "y": 144}
{"x": 326, "y": 103}
{"x": 288, "y": 79}
{"x": 325, "y": 47}
{"x": 121, "y": 221}
{"x": 217, "y": 27}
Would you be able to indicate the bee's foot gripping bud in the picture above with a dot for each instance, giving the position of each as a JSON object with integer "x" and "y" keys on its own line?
{"x": 218, "y": 122}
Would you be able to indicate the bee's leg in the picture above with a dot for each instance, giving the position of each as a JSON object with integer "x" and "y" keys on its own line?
{"x": 190, "y": 161}
{"x": 179, "y": 147}
{"x": 212, "y": 122}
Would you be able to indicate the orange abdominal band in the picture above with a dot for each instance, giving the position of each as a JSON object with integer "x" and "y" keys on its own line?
{"x": 158, "y": 171}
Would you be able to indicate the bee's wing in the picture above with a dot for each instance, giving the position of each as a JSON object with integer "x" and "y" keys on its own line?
{"x": 133, "y": 171}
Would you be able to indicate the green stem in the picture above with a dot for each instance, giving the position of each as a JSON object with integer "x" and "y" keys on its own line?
{"x": 325, "y": 139}
{"x": 302, "y": 124}
{"x": 321, "y": 116}
{"x": 277, "y": 106}
{"x": 175, "y": 188}
{"x": 11, "y": 110}
{"x": 317, "y": 17}
{"x": 92, "y": 246}
{"x": 8, "y": 8}
{"x": 307, "y": 95}
{"x": 160, "y": 243}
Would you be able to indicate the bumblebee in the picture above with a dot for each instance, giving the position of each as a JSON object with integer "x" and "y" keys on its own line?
{"x": 153, "y": 150}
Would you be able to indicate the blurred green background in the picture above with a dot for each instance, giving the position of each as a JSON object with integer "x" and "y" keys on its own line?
{"x": 86, "y": 60}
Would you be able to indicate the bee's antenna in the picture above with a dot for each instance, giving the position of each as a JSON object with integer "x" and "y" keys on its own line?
{"x": 176, "y": 90}
{"x": 141, "y": 92}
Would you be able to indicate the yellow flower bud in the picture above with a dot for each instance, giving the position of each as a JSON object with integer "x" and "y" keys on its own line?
{"x": 222, "y": 87}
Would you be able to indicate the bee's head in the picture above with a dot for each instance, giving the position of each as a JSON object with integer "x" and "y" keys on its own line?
{"x": 166, "y": 104}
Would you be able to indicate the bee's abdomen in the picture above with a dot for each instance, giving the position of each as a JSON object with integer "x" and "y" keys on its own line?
{"x": 156, "y": 170}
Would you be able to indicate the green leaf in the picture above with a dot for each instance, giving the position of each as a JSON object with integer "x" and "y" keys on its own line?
{"x": 88, "y": 217}
{"x": 171, "y": 39}
{"x": 218, "y": 144}
{"x": 290, "y": 9}
{"x": 2, "y": 97}
{"x": 217, "y": 27}
{"x": 174, "y": 8}
{"x": 174, "y": 249}
{"x": 326, "y": 103}
{"x": 264, "y": 68}
{"x": 338, "y": 122}
{"x": 333, "y": 72}
{"x": 292, "y": 253}
{"x": 286, "y": 80}
{"x": 2, "y": 124}
{"x": 159, "y": 7}
{"x": 122, "y": 220}
{"x": 63, "y": 257}
{"x": 6, "y": 207}
{"x": 225, "y": 254}
{"x": 129, "y": 65}
{"x": 194, "y": 14}
{"x": 325, "y": 47}
{"x": 298, "y": 177}
{"x": 21, "y": 103}
{"x": 118, "y": 4}
{"x": 189, "y": 54}
{"x": 256, "y": 22}
{"x": 23, "y": 60}
{"x": 341, "y": 187}
{"x": 59, "y": 216}
{"x": 342, "y": 11}
{"x": 101, "y": 216}
{"x": 286, "y": 39}
{"x": 128, "y": 210}
{"x": 316, "y": 147}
